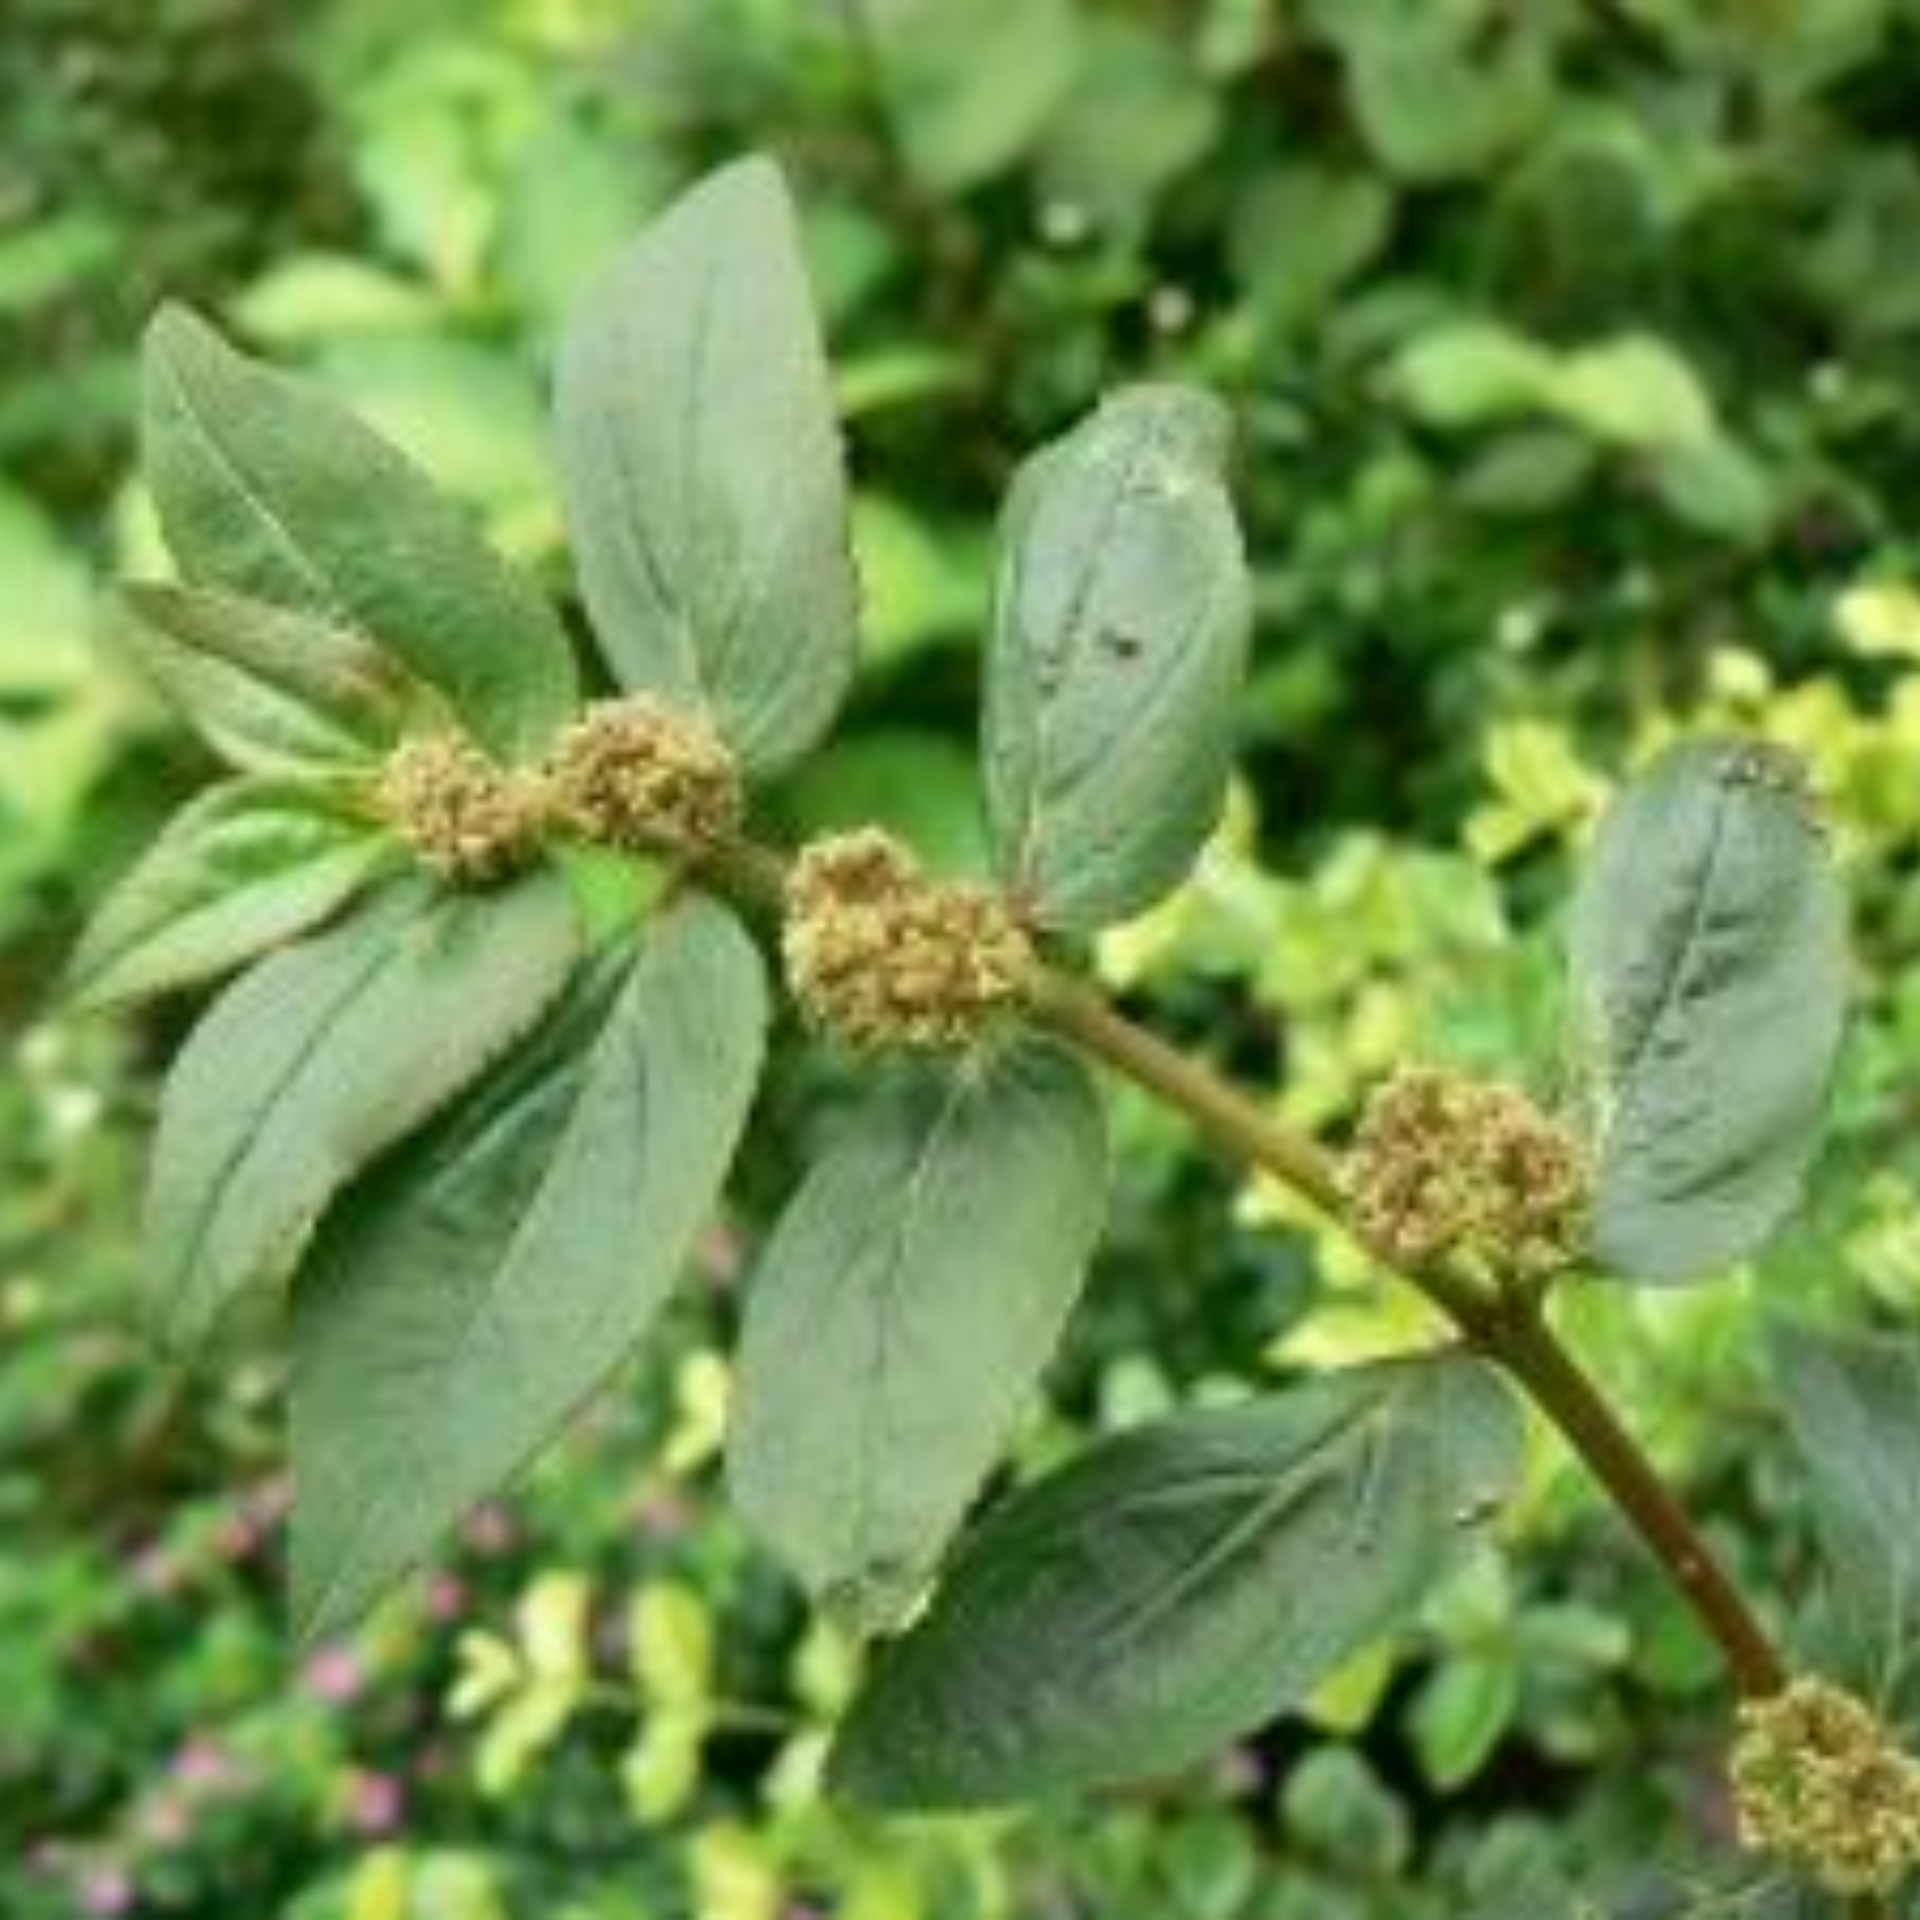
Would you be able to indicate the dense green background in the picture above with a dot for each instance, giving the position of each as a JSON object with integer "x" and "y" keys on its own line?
{"x": 1573, "y": 349}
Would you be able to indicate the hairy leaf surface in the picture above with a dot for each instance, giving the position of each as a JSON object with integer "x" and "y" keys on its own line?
{"x": 270, "y": 692}
{"x": 465, "y": 1300}
{"x": 701, "y": 463}
{"x": 1118, "y": 648}
{"x": 899, "y": 1321}
{"x": 1709, "y": 971}
{"x": 318, "y": 1059}
{"x": 1853, "y": 1405}
{"x": 1178, "y": 1585}
{"x": 250, "y": 864}
{"x": 269, "y": 489}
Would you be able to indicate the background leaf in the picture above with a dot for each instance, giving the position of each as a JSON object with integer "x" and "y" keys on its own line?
{"x": 702, "y": 469}
{"x": 1118, "y": 646}
{"x": 1180, "y": 1584}
{"x": 899, "y": 1320}
{"x": 1709, "y": 974}
{"x": 270, "y": 692}
{"x": 460, "y": 1306}
{"x": 248, "y": 865}
{"x": 268, "y": 488}
{"x": 1853, "y": 1404}
{"x": 318, "y": 1059}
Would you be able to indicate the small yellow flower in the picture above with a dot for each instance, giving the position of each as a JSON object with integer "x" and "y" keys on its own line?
{"x": 633, "y": 773}
{"x": 880, "y": 954}
{"x": 470, "y": 820}
{"x": 1820, "y": 1780}
{"x": 1447, "y": 1168}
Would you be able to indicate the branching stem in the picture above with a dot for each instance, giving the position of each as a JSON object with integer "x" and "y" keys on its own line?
{"x": 1511, "y": 1332}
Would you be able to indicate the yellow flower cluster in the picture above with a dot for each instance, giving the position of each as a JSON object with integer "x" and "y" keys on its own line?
{"x": 880, "y": 954}
{"x": 1821, "y": 1782}
{"x": 633, "y": 773}
{"x": 467, "y": 818}
{"x": 1447, "y": 1168}
{"x": 629, "y": 773}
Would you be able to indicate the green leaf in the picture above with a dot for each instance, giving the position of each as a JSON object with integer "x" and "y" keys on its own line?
{"x": 267, "y": 488}
{"x": 248, "y": 865}
{"x": 270, "y": 692}
{"x": 1853, "y": 1405}
{"x": 461, "y": 1304}
{"x": 1118, "y": 646}
{"x": 322, "y": 1057}
{"x": 1709, "y": 977}
{"x": 1179, "y": 1585}
{"x": 702, "y": 468}
{"x": 900, "y": 1319}
{"x": 970, "y": 86}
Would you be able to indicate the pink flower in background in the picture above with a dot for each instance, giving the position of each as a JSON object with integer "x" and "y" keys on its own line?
{"x": 334, "y": 1674}
{"x": 447, "y": 1598}
{"x": 105, "y": 1890}
{"x": 165, "y": 1821}
{"x": 376, "y": 1804}
{"x": 719, "y": 1255}
{"x": 489, "y": 1530}
{"x": 664, "y": 1515}
{"x": 204, "y": 1765}
{"x": 155, "y": 1572}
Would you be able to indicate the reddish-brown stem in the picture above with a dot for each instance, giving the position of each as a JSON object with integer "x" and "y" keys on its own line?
{"x": 1513, "y": 1335}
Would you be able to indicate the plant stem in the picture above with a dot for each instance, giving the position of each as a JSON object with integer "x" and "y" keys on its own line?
{"x": 1512, "y": 1334}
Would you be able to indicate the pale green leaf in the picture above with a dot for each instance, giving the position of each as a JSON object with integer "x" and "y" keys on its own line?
{"x": 898, "y": 1323}
{"x": 970, "y": 86}
{"x": 271, "y": 692}
{"x": 1118, "y": 646}
{"x": 246, "y": 867}
{"x": 1852, "y": 1403}
{"x": 460, "y": 1305}
{"x": 321, "y": 1057}
{"x": 268, "y": 488}
{"x": 1709, "y": 977}
{"x": 1179, "y": 1585}
{"x": 702, "y": 468}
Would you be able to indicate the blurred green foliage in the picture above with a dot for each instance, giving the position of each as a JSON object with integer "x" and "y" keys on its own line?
{"x": 1573, "y": 351}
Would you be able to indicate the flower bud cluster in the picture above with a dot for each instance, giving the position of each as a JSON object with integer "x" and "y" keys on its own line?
{"x": 1447, "y": 1168}
{"x": 632, "y": 773}
{"x": 465, "y": 817}
{"x": 880, "y": 954}
{"x": 1820, "y": 1781}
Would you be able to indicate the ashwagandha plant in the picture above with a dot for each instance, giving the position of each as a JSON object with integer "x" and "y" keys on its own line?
{"x": 469, "y": 1129}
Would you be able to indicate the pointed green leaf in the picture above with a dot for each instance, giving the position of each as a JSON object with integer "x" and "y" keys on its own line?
{"x": 1853, "y": 1405}
{"x": 1119, "y": 643}
{"x": 899, "y": 1322}
{"x": 1179, "y": 1585}
{"x": 247, "y": 866}
{"x": 270, "y": 692}
{"x": 267, "y": 488}
{"x": 702, "y": 469}
{"x": 1709, "y": 975}
{"x": 459, "y": 1306}
{"x": 321, "y": 1057}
